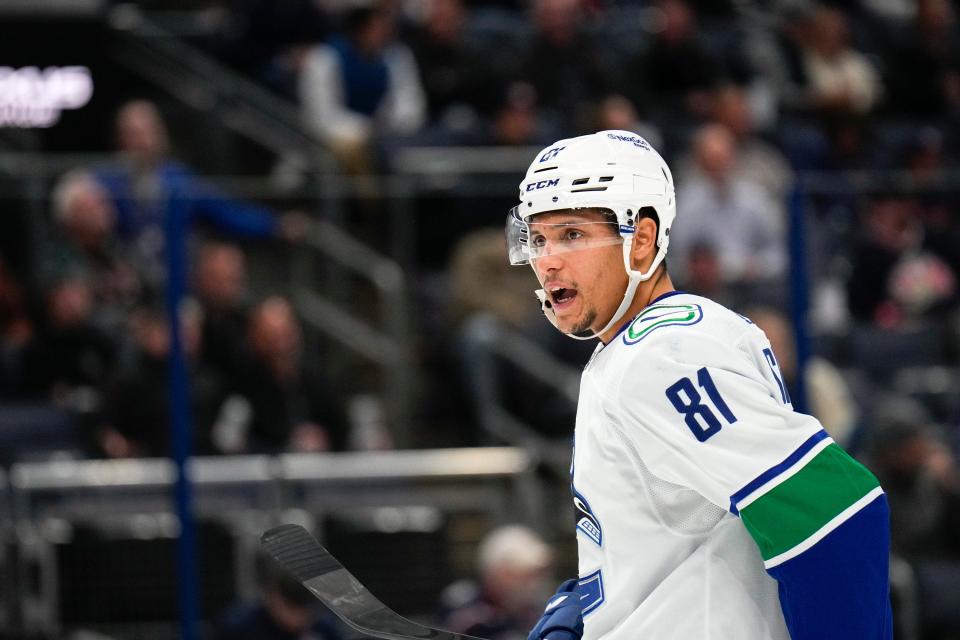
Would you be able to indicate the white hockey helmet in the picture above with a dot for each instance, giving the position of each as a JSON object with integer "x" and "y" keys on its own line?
{"x": 616, "y": 171}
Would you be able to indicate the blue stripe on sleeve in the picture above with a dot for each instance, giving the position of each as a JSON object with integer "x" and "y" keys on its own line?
{"x": 840, "y": 588}
{"x": 774, "y": 471}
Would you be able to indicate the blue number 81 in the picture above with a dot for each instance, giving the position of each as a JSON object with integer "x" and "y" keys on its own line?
{"x": 685, "y": 398}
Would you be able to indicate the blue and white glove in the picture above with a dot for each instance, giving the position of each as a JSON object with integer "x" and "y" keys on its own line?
{"x": 562, "y": 618}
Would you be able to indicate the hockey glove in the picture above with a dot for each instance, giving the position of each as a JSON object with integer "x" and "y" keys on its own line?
{"x": 562, "y": 619}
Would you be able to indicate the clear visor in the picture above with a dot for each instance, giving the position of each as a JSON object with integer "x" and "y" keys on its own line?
{"x": 527, "y": 241}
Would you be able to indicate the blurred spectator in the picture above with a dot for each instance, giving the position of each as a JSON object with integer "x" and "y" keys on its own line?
{"x": 924, "y": 157}
{"x": 926, "y": 162}
{"x": 840, "y": 80}
{"x": 779, "y": 55}
{"x": 924, "y": 71}
{"x": 919, "y": 476}
{"x": 730, "y": 214}
{"x": 844, "y": 145}
{"x": 619, "y": 113}
{"x": 285, "y": 610}
{"x": 293, "y": 406}
{"x": 828, "y": 396}
{"x": 136, "y": 421}
{"x": 148, "y": 188}
{"x": 890, "y": 229}
{"x": 362, "y": 85}
{"x": 563, "y": 63}
{"x": 16, "y": 332}
{"x": 479, "y": 262}
{"x": 513, "y": 117}
{"x": 86, "y": 246}
{"x": 69, "y": 358}
{"x": 453, "y": 72}
{"x": 268, "y": 39}
{"x": 514, "y": 568}
{"x": 923, "y": 284}
{"x": 220, "y": 285}
{"x": 673, "y": 76}
{"x": 757, "y": 160}
{"x": 703, "y": 276}
{"x": 850, "y": 146}
{"x": 893, "y": 279}
{"x": 518, "y": 119}
{"x": 896, "y": 11}
{"x": 463, "y": 355}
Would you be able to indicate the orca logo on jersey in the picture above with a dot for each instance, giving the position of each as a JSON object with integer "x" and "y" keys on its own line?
{"x": 661, "y": 315}
{"x": 586, "y": 521}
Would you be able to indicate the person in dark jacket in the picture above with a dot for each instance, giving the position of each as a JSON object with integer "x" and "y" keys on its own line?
{"x": 284, "y": 611}
{"x": 136, "y": 420}
{"x": 293, "y": 407}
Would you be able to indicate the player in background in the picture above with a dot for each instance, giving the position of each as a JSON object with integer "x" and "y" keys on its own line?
{"x": 707, "y": 507}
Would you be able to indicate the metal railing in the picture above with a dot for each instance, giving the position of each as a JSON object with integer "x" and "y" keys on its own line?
{"x": 459, "y": 161}
{"x": 240, "y": 105}
{"x": 384, "y": 341}
{"x": 388, "y": 344}
{"x": 132, "y": 498}
{"x": 489, "y": 341}
{"x": 247, "y": 109}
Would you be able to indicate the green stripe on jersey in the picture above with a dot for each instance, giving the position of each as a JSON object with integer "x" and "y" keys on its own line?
{"x": 798, "y": 507}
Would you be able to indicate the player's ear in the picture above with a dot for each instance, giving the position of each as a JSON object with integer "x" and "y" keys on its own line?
{"x": 644, "y": 244}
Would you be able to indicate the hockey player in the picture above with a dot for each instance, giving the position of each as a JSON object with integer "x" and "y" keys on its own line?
{"x": 707, "y": 507}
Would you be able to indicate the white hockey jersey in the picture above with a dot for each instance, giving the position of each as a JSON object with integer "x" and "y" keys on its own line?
{"x": 682, "y": 410}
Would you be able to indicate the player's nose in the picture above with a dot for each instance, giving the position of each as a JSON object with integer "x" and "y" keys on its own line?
{"x": 548, "y": 263}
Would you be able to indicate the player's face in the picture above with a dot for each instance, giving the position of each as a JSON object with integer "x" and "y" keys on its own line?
{"x": 584, "y": 287}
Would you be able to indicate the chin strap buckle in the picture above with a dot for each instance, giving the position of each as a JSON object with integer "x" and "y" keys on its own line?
{"x": 547, "y": 307}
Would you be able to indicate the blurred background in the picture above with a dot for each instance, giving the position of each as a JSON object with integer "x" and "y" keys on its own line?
{"x": 252, "y": 272}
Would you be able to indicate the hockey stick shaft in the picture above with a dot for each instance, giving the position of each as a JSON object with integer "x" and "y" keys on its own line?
{"x": 316, "y": 569}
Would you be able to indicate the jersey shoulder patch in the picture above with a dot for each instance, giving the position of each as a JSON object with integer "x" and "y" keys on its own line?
{"x": 662, "y": 315}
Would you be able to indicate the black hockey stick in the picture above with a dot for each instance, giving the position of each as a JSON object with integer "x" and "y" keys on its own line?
{"x": 299, "y": 553}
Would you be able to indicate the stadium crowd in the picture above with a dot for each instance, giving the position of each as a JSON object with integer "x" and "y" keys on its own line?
{"x": 88, "y": 332}
{"x": 860, "y": 99}
{"x": 738, "y": 95}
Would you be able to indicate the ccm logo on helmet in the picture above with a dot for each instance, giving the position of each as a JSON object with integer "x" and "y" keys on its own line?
{"x": 543, "y": 184}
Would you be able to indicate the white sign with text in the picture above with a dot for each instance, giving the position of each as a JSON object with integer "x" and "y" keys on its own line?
{"x": 31, "y": 97}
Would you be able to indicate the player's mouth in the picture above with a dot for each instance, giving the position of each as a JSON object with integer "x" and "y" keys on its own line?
{"x": 561, "y": 297}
